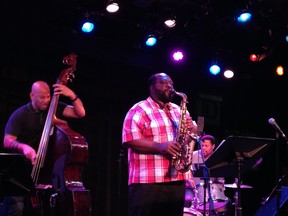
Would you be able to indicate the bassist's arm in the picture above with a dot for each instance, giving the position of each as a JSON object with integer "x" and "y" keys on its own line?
{"x": 10, "y": 142}
{"x": 76, "y": 110}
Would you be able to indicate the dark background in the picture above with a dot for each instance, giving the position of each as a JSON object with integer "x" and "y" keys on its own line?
{"x": 113, "y": 66}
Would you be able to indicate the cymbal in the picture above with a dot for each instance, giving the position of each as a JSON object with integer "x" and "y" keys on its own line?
{"x": 234, "y": 185}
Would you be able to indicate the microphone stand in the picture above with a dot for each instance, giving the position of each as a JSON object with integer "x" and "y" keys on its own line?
{"x": 279, "y": 133}
{"x": 278, "y": 186}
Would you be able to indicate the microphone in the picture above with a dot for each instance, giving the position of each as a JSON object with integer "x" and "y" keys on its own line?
{"x": 276, "y": 127}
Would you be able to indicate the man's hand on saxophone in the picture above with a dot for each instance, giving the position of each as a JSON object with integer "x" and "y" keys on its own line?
{"x": 171, "y": 148}
{"x": 191, "y": 125}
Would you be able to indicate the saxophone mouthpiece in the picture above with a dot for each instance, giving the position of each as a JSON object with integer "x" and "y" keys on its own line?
{"x": 172, "y": 92}
{"x": 180, "y": 94}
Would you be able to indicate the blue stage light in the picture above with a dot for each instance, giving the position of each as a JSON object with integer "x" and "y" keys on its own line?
{"x": 244, "y": 17}
{"x": 87, "y": 27}
{"x": 151, "y": 40}
{"x": 214, "y": 69}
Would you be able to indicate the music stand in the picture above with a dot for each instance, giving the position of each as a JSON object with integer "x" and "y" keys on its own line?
{"x": 234, "y": 157}
{"x": 14, "y": 176}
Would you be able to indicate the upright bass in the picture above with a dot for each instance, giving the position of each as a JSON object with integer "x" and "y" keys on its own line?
{"x": 67, "y": 156}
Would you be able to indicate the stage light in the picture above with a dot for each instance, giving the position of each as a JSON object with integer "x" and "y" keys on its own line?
{"x": 151, "y": 40}
{"x": 112, "y": 6}
{"x": 280, "y": 70}
{"x": 258, "y": 57}
{"x": 214, "y": 69}
{"x": 244, "y": 17}
{"x": 87, "y": 23}
{"x": 261, "y": 53}
{"x": 178, "y": 55}
{"x": 228, "y": 74}
{"x": 87, "y": 26}
{"x": 169, "y": 18}
{"x": 170, "y": 22}
{"x": 253, "y": 57}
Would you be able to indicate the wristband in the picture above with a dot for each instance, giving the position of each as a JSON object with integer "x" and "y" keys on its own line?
{"x": 14, "y": 144}
{"x": 75, "y": 98}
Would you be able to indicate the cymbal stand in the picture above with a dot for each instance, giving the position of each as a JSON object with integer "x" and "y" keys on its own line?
{"x": 238, "y": 208}
{"x": 278, "y": 186}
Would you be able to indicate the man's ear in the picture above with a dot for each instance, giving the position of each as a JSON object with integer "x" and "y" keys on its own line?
{"x": 31, "y": 95}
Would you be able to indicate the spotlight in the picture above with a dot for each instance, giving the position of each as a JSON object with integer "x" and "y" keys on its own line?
{"x": 170, "y": 18}
{"x": 87, "y": 27}
{"x": 214, "y": 69}
{"x": 170, "y": 22}
{"x": 151, "y": 40}
{"x": 178, "y": 55}
{"x": 279, "y": 70}
{"x": 112, "y": 6}
{"x": 244, "y": 17}
{"x": 258, "y": 57}
{"x": 228, "y": 74}
{"x": 87, "y": 24}
{"x": 253, "y": 57}
{"x": 261, "y": 53}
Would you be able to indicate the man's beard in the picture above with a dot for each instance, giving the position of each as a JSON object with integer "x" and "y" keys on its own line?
{"x": 164, "y": 98}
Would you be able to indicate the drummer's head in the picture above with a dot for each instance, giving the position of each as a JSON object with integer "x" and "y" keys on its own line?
{"x": 208, "y": 145}
{"x": 208, "y": 137}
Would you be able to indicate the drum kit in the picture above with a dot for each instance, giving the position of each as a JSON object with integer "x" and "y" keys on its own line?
{"x": 220, "y": 202}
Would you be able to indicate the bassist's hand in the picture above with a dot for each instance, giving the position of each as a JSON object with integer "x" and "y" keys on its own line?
{"x": 28, "y": 152}
{"x": 64, "y": 90}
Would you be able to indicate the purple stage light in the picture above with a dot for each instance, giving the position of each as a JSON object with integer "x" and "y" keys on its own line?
{"x": 178, "y": 56}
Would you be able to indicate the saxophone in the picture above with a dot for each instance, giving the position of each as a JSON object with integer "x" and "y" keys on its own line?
{"x": 185, "y": 138}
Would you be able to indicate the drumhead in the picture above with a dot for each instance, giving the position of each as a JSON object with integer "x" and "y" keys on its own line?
{"x": 191, "y": 212}
{"x": 218, "y": 206}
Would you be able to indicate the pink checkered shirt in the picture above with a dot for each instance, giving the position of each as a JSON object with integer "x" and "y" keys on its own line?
{"x": 147, "y": 120}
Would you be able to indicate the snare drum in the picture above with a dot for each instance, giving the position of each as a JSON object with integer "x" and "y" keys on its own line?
{"x": 218, "y": 196}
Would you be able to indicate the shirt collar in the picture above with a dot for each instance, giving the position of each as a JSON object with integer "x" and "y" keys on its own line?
{"x": 166, "y": 106}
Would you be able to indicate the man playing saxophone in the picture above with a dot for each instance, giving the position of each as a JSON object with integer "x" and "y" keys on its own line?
{"x": 149, "y": 132}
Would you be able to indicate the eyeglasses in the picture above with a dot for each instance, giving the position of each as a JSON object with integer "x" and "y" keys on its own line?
{"x": 165, "y": 82}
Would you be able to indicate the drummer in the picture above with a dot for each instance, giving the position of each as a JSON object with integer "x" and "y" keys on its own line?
{"x": 208, "y": 145}
{"x": 194, "y": 185}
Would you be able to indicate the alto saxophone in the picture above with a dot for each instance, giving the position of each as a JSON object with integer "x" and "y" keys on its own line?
{"x": 185, "y": 138}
